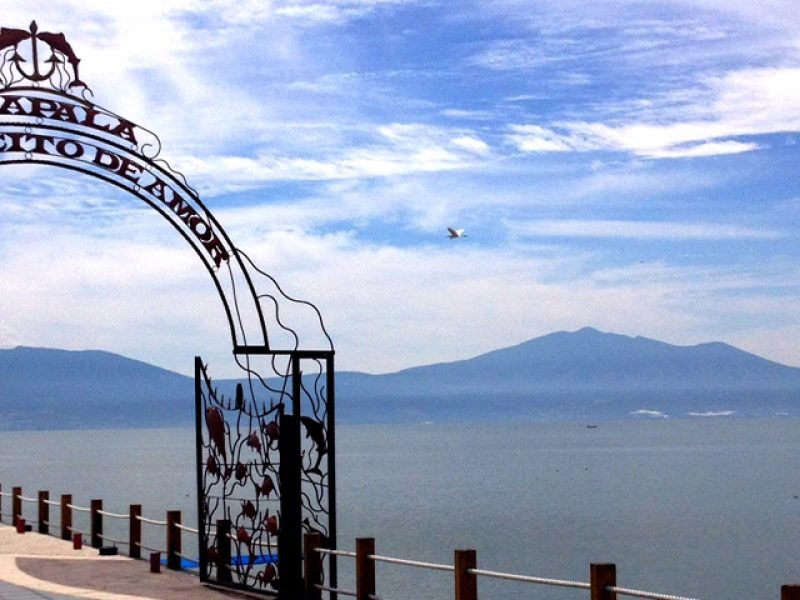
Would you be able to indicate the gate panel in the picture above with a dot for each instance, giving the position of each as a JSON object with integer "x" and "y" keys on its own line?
{"x": 265, "y": 474}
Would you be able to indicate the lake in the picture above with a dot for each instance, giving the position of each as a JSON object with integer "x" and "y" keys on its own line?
{"x": 704, "y": 507}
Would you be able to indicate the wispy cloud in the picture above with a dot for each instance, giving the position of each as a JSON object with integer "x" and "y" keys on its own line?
{"x": 642, "y": 230}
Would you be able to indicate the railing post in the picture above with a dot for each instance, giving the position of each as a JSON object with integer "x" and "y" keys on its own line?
{"x": 173, "y": 540}
{"x": 44, "y": 512}
{"x": 602, "y": 576}
{"x": 1, "y": 502}
{"x": 365, "y": 568}
{"x": 66, "y": 517}
{"x": 224, "y": 574}
{"x": 16, "y": 504}
{"x": 466, "y": 584}
{"x": 790, "y": 592}
{"x": 312, "y": 567}
{"x": 96, "y": 523}
{"x": 135, "y": 530}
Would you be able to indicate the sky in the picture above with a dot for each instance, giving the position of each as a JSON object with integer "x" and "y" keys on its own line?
{"x": 625, "y": 165}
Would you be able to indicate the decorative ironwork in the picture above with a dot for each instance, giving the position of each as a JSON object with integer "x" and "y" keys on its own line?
{"x": 59, "y": 69}
{"x": 266, "y": 471}
{"x": 266, "y": 468}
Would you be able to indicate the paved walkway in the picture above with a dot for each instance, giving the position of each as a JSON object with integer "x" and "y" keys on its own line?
{"x": 36, "y": 567}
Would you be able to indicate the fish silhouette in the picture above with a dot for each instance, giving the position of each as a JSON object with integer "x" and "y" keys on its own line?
{"x": 58, "y": 42}
{"x": 254, "y": 442}
{"x": 316, "y": 432}
{"x": 239, "y": 396}
{"x": 216, "y": 430}
{"x": 12, "y": 37}
{"x": 266, "y": 487}
{"x": 243, "y": 536}
{"x": 272, "y": 524}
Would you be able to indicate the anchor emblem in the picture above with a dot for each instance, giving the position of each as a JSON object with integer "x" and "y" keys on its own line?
{"x": 57, "y": 44}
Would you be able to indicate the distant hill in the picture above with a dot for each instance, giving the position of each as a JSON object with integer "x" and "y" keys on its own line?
{"x": 43, "y": 388}
{"x": 585, "y": 374}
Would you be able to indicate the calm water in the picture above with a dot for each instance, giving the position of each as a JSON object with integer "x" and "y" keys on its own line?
{"x": 706, "y": 508}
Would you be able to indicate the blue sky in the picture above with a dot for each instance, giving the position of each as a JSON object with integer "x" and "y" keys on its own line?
{"x": 625, "y": 165}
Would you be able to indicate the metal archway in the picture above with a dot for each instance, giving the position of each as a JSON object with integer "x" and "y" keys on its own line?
{"x": 248, "y": 439}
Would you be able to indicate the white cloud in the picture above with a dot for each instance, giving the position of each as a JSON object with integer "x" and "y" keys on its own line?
{"x": 749, "y": 102}
{"x": 646, "y": 230}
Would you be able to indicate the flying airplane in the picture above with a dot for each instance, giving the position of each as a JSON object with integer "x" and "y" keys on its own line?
{"x": 456, "y": 233}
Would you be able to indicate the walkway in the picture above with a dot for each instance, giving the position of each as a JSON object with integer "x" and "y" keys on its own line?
{"x": 42, "y": 567}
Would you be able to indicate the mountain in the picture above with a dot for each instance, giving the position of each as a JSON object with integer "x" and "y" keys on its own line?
{"x": 585, "y": 374}
{"x": 43, "y": 388}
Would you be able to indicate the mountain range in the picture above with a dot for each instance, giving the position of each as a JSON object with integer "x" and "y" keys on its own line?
{"x": 586, "y": 374}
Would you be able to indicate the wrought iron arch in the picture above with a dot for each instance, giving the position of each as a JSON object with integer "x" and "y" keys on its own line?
{"x": 252, "y": 437}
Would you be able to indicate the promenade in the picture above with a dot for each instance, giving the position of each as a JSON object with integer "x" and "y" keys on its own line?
{"x": 36, "y": 567}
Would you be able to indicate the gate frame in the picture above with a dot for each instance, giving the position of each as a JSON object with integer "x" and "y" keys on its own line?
{"x": 47, "y": 118}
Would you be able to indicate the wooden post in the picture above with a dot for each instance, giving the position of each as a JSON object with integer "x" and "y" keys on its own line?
{"x": 602, "y": 576}
{"x": 224, "y": 551}
{"x": 77, "y": 541}
{"x": 365, "y": 568}
{"x": 96, "y": 523}
{"x": 155, "y": 562}
{"x": 66, "y": 517}
{"x": 173, "y": 540}
{"x": 790, "y": 592}
{"x": 466, "y": 583}
{"x": 312, "y": 566}
{"x": 44, "y": 512}
{"x": 16, "y": 504}
{"x": 135, "y": 530}
{"x": 20, "y": 525}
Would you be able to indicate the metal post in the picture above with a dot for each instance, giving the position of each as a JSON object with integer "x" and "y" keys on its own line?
{"x": 331, "y": 426}
{"x": 173, "y": 540}
{"x": 96, "y": 523}
{"x": 312, "y": 566}
{"x": 290, "y": 535}
{"x": 135, "y": 530}
{"x": 44, "y": 512}
{"x": 202, "y": 537}
{"x": 66, "y": 517}
{"x": 790, "y": 592}
{"x": 466, "y": 583}
{"x": 224, "y": 574}
{"x": 602, "y": 576}
{"x": 365, "y": 568}
{"x": 16, "y": 504}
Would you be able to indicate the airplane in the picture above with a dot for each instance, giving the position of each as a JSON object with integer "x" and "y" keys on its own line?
{"x": 456, "y": 233}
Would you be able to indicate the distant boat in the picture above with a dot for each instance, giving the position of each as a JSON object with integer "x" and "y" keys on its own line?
{"x": 591, "y": 427}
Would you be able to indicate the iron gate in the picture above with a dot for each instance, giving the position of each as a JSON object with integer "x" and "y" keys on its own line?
{"x": 266, "y": 474}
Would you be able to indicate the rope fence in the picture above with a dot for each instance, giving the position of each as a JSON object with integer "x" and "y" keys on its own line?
{"x": 602, "y": 584}
{"x": 65, "y": 510}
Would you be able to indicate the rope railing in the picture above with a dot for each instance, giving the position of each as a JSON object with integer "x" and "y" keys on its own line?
{"x": 411, "y": 563}
{"x": 580, "y": 585}
{"x": 151, "y": 521}
{"x": 113, "y": 515}
{"x": 91, "y": 527}
{"x": 603, "y": 578}
{"x": 642, "y": 594}
{"x": 186, "y": 528}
